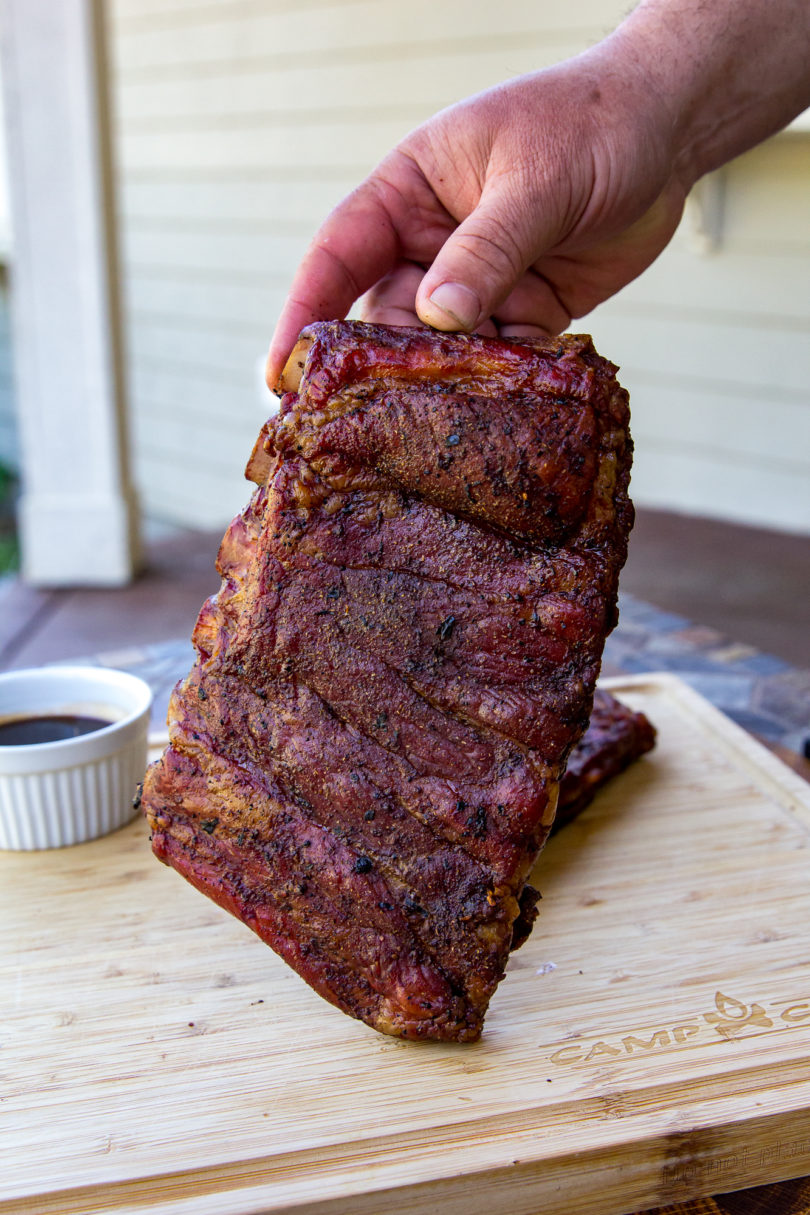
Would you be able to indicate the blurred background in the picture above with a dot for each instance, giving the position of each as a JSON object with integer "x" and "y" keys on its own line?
{"x": 216, "y": 135}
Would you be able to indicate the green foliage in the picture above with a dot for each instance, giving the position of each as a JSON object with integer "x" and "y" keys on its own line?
{"x": 9, "y": 547}
{"x": 8, "y": 484}
{"x": 9, "y": 554}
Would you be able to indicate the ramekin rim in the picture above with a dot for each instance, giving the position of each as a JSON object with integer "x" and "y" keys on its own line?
{"x": 18, "y": 751}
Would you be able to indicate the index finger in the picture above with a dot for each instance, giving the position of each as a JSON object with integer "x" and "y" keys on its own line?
{"x": 356, "y": 245}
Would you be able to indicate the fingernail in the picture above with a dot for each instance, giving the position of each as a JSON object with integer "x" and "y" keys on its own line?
{"x": 452, "y": 302}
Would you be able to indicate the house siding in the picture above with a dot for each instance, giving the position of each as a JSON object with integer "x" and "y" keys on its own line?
{"x": 9, "y": 444}
{"x": 239, "y": 123}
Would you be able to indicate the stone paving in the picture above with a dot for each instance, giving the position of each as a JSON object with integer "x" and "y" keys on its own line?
{"x": 761, "y": 693}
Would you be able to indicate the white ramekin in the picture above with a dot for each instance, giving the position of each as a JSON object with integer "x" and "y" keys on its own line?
{"x": 58, "y": 793}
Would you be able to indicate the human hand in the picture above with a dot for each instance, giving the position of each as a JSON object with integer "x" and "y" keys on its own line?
{"x": 531, "y": 203}
{"x": 511, "y": 212}
{"x": 522, "y": 207}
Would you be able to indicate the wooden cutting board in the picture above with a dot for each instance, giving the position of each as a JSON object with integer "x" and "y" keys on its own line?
{"x": 651, "y": 1041}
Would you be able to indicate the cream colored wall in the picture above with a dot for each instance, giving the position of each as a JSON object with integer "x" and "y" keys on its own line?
{"x": 9, "y": 439}
{"x": 240, "y": 122}
{"x": 715, "y": 349}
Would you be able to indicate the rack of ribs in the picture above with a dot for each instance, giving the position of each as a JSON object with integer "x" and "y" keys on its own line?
{"x": 614, "y": 739}
{"x": 365, "y": 758}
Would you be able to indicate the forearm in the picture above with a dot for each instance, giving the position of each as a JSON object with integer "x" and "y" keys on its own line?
{"x": 729, "y": 72}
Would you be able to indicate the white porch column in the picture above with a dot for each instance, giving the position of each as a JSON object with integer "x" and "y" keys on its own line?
{"x": 78, "y": 517}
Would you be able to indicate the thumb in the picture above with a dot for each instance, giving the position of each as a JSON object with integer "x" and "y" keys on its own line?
{"x": 477, "y": 267}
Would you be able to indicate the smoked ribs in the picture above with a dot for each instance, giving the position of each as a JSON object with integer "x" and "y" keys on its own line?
{"x": 365, "y": 758}
{"x": 615, "y": 738}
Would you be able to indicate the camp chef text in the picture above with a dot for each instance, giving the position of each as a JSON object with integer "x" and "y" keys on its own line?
{"x": 730, "y": 1018}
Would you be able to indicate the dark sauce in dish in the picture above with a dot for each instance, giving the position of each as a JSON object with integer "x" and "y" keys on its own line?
{"x": 26, "y": 731}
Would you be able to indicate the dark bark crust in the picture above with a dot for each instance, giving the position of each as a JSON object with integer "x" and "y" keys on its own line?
{"x": 365, "y": 759}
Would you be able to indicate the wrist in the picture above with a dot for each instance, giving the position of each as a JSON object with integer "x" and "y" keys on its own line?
{"x": 727, "y": 73}
{"x": 662, "y": 92}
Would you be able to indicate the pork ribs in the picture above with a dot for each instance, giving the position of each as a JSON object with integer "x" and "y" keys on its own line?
{"x": 365, "y": 758}
{"x": 615, "y": 738}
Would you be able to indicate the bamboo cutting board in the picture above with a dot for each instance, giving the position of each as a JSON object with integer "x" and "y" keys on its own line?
{"x": 650, "y": 1043}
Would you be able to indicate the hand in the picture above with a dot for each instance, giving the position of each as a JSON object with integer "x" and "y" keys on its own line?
{"x": 530, "y": 204}
{"x": 511, "y": 212}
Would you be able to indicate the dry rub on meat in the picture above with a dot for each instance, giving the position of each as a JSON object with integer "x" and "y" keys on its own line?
{"x": 365, "y": 758}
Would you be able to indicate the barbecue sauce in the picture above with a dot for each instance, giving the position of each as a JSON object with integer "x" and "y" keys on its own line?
{"x": 27, "y": 731}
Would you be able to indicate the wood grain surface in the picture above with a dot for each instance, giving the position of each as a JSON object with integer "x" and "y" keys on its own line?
{"x": 650, "y": 1043}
